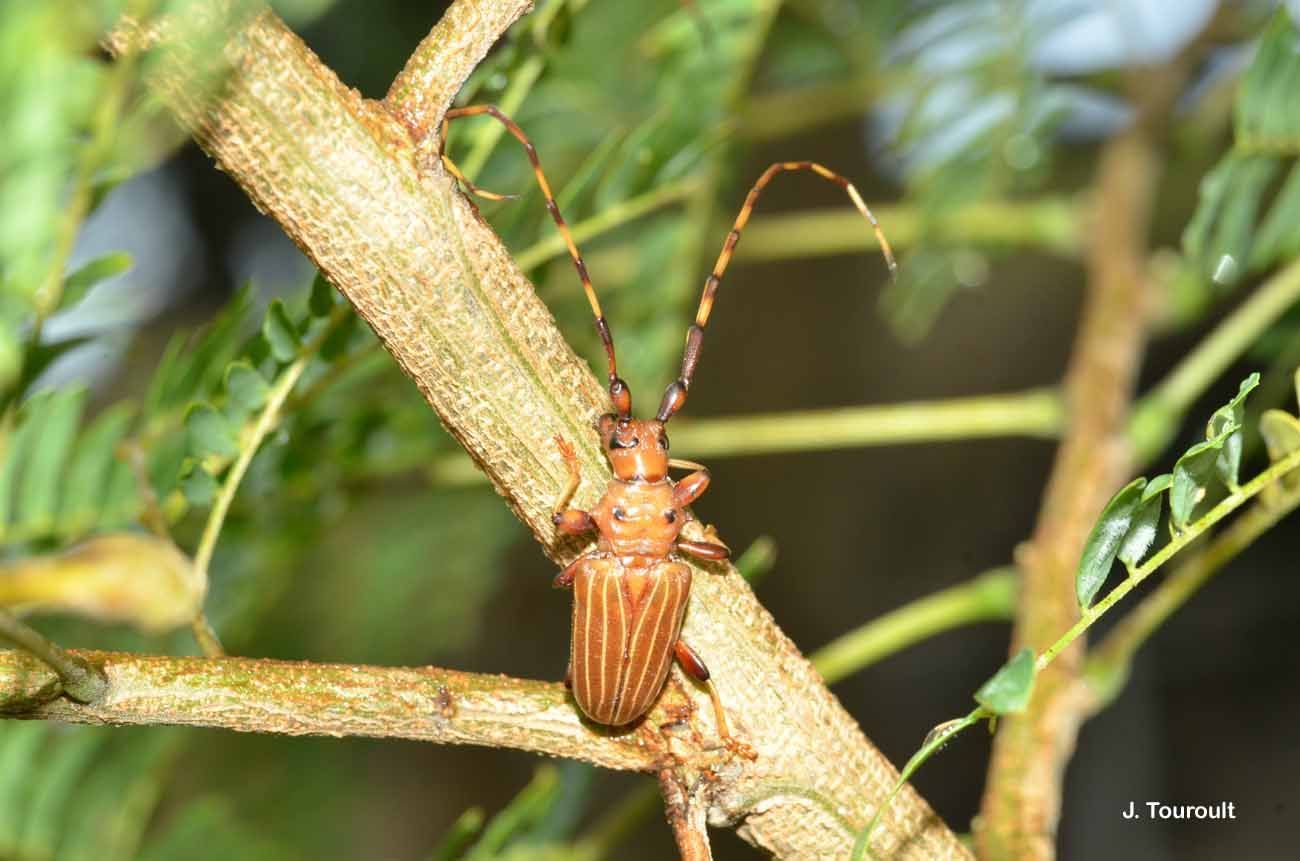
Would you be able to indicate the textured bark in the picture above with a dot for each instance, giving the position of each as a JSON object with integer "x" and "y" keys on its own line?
{"x": 354, "y": 184}
{"x": 297, "y": 698}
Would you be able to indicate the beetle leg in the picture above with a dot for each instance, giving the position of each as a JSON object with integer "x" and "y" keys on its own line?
{"x": 694, "y": 667}
{"x": 703, "y": 549}
{"x": 564, "y": 579}
{"x": 573, "y": 521}
{"x": 691, "y": 488}
{"x": 568, "y": 677}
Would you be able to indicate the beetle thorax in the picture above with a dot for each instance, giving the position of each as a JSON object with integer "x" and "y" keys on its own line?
{"x": 638, "y": 519}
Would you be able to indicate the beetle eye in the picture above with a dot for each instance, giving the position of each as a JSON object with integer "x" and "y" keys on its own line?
{"x": 615, "y": 442}
{"x": 663, "y": 441}
{"x": 670, "y": 516}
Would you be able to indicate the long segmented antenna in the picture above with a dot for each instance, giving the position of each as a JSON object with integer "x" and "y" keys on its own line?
{"x": 618, "y": 390}
{"x": 675, "y": 395}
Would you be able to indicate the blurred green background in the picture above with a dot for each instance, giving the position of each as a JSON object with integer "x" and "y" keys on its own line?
{"x": 355, "y": 538}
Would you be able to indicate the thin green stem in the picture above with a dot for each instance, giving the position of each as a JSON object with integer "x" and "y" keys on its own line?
{"x": 989, "y": 597}
{"x": 757, "y": 560}
{"x": 787, "y": 112}
{"x": 80, "y": 680}
{"x": 1035, "y": 413}
{"x": 266, "y": 421}
{"x": 1052, "y": 223}
{"x": 1158, "y": 415}
{"x": 611, "y": 218}
{"x": 1107, "y": 666}
{"x": 934, "y": 742}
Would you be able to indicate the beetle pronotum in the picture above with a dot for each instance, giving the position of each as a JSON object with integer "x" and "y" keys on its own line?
{"x": 630, "y": 592}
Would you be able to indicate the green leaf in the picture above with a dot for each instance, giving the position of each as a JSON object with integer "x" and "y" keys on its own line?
{"x": 453, "y": 844}
{"x": 191, "y": 367}
{"x": 1266, "y": 115}
{"x": 1192, "y": 476}
{"x": 1220, "y": 235}
{"x": 55, "y": 423}
{"x": 20, "y": 755}
{"x": 65, "y": 761}
{"x": 198, "y": 485}
{"x": 76, "y": 285}
{"x": 1009, "y": 690}
{"x": 1104, "y": 541}
{"x": 525, "y": 810}
{"x": 1142, "y": 533}
{"x": 280, "y": 333}
{"x": 41, "y": 356}
{"x": 1227, "y": 237}
{"x": 1227, "y": 421}
{"x": 86, "y": 486}
{"x": 246, "y": 388}
{"x": 208, "y": 827}
{"x": 209, "y": 432}
{"x": 322, "y": 297}
{"x": 336, "y": 342}
{"x": 1281, "y": 433}
{"x": 115, "y": 800}
{"x": 1278, "y": 235}
{"x": 1157, "y": 485}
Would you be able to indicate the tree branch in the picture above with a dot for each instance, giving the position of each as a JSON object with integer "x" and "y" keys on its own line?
{"x": 424, "y": 89}
{"x": 352, "y": 184}
{"x": 686, "y": 813}
{"x": 294, "y": 698}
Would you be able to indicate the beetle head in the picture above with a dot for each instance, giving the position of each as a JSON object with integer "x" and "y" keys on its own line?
{"x": 637, "y": 448}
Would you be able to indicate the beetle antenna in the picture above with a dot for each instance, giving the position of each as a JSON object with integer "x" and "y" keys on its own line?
{"x": 675, "y": 395}
{"x": 618, "y": 390}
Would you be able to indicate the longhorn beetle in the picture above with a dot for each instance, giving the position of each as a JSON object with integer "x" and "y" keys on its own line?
{"x": 630, "y": 593}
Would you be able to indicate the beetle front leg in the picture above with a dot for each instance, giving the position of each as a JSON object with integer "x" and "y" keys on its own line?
{"x": 573, "y": 521}
{"x": 691, "y": 488}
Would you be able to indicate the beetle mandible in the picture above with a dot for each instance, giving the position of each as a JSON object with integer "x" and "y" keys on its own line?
{"x": 630, "y": 592}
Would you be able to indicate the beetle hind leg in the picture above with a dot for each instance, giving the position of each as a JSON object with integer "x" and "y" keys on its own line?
{"x": 693, "y": 665}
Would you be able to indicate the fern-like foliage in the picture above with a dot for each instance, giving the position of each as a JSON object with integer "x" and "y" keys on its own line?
{"x": 1248, "y": 216}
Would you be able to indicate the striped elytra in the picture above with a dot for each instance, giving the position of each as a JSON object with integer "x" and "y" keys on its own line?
{"x": 625, "y": 623}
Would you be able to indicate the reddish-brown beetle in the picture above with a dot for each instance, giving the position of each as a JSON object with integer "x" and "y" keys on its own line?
{"x": 630, "y": 592}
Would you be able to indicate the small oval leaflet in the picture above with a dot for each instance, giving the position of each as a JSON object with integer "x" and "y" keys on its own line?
{"x": 279, "y": 332}
{"x": 1104, "y": 542}
{"x": 1009, "y": 690}
{"x": 209, "y": 432}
